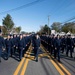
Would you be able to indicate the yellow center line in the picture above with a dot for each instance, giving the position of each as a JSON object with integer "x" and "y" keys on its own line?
{"x": 25, "y": 66}
{"x": 55, "y": 65}
{"x": 68, "y": 73}
{"x": 19, "y": 66}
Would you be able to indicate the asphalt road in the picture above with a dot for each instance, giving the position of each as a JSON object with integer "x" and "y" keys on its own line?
{"x": 46, "y": 65}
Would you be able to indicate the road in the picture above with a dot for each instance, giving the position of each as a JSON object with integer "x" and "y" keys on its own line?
{"x": 46, "y": 65}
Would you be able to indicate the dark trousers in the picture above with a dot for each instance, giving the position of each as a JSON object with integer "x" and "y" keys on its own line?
{"x": 52, "y": 49}
{"x": 36, "y": 52}
{"x": 8, "y": 51}
{"x": 0, "y": 53}
{"x": 62, "y": 48}
{"x": 20, "y": 52}
{"x": 69, "y": 48}
{"x": 57, "y": 52}
{"x": 12, "y": 51}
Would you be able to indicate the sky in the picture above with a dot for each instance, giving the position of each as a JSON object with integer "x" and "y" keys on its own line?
{"x": 31, "y": 18}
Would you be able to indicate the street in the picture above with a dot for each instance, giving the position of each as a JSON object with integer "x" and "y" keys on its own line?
{"x": 46, "y": 65}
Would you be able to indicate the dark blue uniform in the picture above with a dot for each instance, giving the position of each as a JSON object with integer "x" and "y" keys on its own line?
{"x": 69, "y": 43}
{"x": 21, "y": 47}
{"x": 52, "y": 44}
{"x": 8, "y": 47}
{"x": 57, "y": 48}
{"x": 74, "y": 41}
{"x": 49, "y": 44}
{"x": 33, "y": 42}
{"x": 63, "y": 44}
{"x": 15, "y": 40}
{"x": 2, "y": 44}
{"x": 12, "y": 46}
{"x": 36, "y": 47}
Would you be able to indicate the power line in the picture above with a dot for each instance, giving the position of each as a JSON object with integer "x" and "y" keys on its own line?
{"x": 69, "y": 20}
{"x": 23, "y": 6}
{"x": 73, "y": 21}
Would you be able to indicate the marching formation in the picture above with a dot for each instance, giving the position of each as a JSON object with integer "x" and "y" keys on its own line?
{"x": 57, "y": 44}
{"x": 14, "y": 44}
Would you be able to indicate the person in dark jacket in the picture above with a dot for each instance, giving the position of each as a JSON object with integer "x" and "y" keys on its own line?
{"x": 8, "y": 46}
{"x": 2, "y": 44}
{"x": 69, "y": 43}
{"x": 74, "y": 40}
{"x": 33, "y": 40}
{"x": 52, "y": 44}
{"x": 37, "y": 46}
{"x": 21, "y": 47}
{"x": 12, "y": 45}
{"x": 15, "y": 43}
{"x": 63, "y": 44}
{"x": 57, "y": 47}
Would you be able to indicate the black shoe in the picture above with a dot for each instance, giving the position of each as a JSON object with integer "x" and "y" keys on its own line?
{"x": 54, "y": 57}
{"x": 71, "y": 56}
{"x": 0, "y": 61}
{"x": 36, "y": 60}
{"x": 20, "y": 59}
{"x": 58, "y": 60}
{"x": 67, "y": 55}
{"x": 11, "y": 56}
{"x": 6, "y": 58}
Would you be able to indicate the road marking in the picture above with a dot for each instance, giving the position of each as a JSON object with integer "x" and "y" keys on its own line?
{"x": 68, "y": 73}
{"x": 25, "y": 65}
{"x": 64, "y": 69}
{"x": 19, "y": 66}
{"x": 55, "y": 65}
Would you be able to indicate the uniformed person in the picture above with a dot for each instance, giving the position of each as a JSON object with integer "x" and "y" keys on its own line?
{"x": 24, "y": 39}
{"x": 12, "y": 45}
{"x": 69, "y": 43}
{"x": 57, "y": 47}
{"x": 2, "y": 44}
{"x": 74, "y": 40}
{"x": 21, "y": 46}
{"x": 52, "y": 44}
{"x": 33, "y": 42}
{"x": 49, "y": 43}
{"x": 37, "y": 46}
{"x": 8, "y": 46}
{"x": 63, "y": 43}
{"x": 15, "y": 43}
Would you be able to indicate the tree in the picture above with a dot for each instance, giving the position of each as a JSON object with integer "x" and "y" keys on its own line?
{"x": 56, "y": 26}
{"x": 45, "y": 29}
{"x": 8, "y": 23}
{"x": 18, "y": 29}
{"x": 69, "y": 27}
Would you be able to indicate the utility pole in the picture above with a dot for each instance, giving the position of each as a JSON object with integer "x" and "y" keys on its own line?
{"x": 48, "y": 23}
